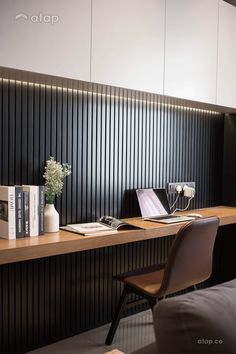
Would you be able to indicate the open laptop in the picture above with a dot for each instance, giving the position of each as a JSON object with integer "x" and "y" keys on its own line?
{"x": 154, "y": 206}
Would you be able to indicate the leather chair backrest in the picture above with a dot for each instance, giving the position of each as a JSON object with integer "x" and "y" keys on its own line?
{"x": 190, "y": 258}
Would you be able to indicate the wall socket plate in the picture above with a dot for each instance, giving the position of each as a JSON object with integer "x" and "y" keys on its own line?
{"x": 172, "y": 186}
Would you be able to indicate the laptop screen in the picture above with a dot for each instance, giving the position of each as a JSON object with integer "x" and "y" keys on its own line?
{"x": 153, "y": 202}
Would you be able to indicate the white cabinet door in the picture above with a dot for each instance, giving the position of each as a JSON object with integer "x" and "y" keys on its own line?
{"x": 191, "y": 49}
{"x": 128, "y": 43}
{"x": 226, "y": 85}
{"x": 51, "y": 37}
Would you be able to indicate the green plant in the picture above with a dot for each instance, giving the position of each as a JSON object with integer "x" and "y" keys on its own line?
{"x": 54, "y": 175}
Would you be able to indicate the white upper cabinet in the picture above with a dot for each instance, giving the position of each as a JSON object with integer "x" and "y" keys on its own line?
{"x": 51, "y": 37}
{"x": 191, "y": 49}
{"x": 128, "y": 43}
{"x": 226, "y": 85}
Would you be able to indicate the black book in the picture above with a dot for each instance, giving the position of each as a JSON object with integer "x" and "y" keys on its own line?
{"x": 41, "y": 209}
{"x": 33, "y": 209}
{"x": 26, "y": 213}
{"x": 19, "y": 212}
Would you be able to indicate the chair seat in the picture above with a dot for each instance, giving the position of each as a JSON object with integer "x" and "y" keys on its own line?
{"x": 148, "y": 283}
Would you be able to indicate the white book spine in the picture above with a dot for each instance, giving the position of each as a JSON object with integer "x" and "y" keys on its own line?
{"x": 7, "y": 212}
{"x": 12, "y": 213}
{"x": 33, "y": 209}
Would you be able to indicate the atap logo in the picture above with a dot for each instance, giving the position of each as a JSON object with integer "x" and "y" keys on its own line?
{"x": 21, "y": 16}
{"x": 39, "y": 18}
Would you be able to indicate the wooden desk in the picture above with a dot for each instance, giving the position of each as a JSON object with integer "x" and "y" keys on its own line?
{"x": 66, "y": 242}
{"x": 44, "y": 299}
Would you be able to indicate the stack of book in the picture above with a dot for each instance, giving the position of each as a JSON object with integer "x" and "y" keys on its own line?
{"x": 21, "y": 211}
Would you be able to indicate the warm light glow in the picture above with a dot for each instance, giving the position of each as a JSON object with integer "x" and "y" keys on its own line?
{"x": 106, "y": 95}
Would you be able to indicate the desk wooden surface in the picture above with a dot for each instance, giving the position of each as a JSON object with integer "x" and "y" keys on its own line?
{"x": 66, "y": 242}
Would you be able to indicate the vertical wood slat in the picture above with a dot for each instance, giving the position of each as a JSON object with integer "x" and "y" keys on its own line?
{"x": 114, "y": 144}
{"x": 49, "y": 299}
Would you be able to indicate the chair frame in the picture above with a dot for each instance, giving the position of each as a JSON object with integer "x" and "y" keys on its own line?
{"x": 120, "y": 307}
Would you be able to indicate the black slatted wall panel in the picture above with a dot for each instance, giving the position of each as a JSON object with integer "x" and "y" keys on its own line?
{"x": 115, "y": 145}
{"x": 42, "y": 301}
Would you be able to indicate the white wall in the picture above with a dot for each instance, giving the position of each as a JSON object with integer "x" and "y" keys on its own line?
{"x": 191, "y": 49}
{"x": 226, "y": 85}
{"x": 62, "y": 48}
{"x": 128, "y": 43}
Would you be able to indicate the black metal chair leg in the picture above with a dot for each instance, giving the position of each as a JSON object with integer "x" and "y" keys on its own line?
{"x": 152, "y": 302}
{"x": 117, "y": 316}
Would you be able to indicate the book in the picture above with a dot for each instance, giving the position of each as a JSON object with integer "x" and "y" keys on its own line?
{"x": 88, "y": 229}
{"x": 19, "y": 212}
{"x": 7, "y": 212}
{"x": 41, "y": 209}
{"x": 105, "y": 225}
{"x": 116, "y": 224}
{"x": 26, "y": 212}
{"x": 33, "y": 209}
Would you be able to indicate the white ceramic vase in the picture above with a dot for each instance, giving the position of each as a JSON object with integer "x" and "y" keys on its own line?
{"x": 51, "y": 218}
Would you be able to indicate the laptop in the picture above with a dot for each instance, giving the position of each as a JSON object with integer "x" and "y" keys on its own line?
{"x": 154, "y": 206}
